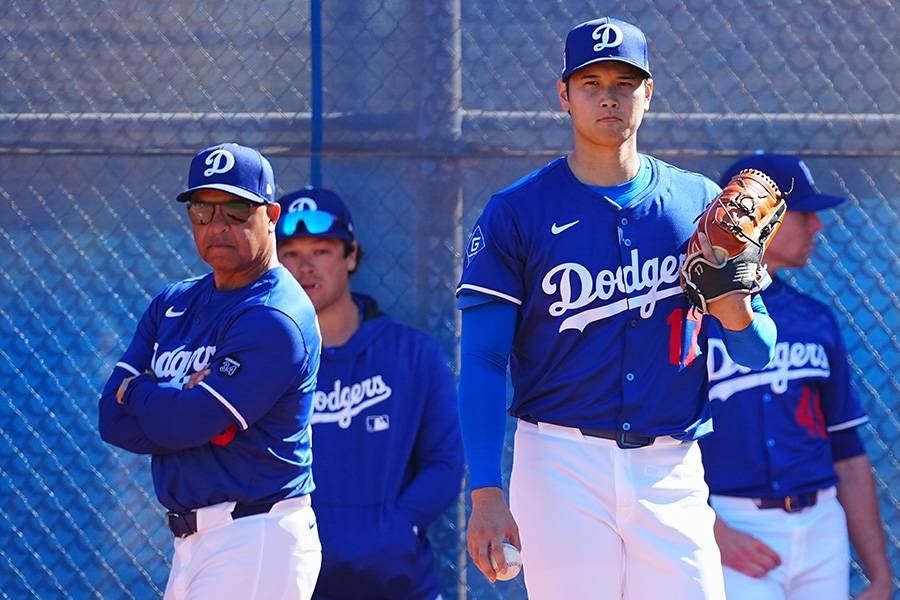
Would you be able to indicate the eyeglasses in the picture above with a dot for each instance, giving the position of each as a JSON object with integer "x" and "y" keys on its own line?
{"x": 234, "y": 212}
{"x": 315, "y": 221}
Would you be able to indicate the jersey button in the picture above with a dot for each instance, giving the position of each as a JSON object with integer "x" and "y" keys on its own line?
{"x": 627, "y": 242}
{"x": 626, "y": 426}
{"x": 767, "y": 397}
{"x": 624, "y": 221}
{"x": 770, "y": 442}
{"x": 629, "y": 376}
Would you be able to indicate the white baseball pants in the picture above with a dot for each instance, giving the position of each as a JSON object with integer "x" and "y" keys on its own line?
{"x": 602, "y": 523}
{"x": 813, "y": 544}
{"x": 275, "y": 555}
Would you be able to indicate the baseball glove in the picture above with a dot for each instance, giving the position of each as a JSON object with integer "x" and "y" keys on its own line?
{"x": 739, "y": 223}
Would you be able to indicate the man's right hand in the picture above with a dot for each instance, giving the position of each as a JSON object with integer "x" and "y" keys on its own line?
{"x": 490, "y": 524}
{"x": 743, "y": 552}
{"x": 196, "y": 378}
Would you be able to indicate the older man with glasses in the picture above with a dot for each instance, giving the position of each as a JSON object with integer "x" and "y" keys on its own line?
{"x": 217, "y": 386}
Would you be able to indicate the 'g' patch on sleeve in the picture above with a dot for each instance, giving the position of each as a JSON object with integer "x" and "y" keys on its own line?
{"x": 476, "y": 244}
{"x": 230, "y": 366}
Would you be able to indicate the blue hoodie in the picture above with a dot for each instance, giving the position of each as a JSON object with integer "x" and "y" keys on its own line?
{"x": 387, "y": 460}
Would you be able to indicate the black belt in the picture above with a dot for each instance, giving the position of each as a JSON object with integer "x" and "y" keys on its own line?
{"x": 789, "y": 503}
{"x": 623, "y": 439}
{"x": 185, "y": 523}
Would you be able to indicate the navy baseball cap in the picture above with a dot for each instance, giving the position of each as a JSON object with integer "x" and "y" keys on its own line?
{"x": 313, "y": 212}
{"x": 605, "y": 39}
{"x": 792, "y": 177}
{"x": 239, "y": 170}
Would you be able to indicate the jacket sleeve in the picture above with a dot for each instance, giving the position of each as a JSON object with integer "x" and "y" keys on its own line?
{"x": 266, "y": 347}
{"x": 116, "y": 425}
{"x": 437, "y": 453}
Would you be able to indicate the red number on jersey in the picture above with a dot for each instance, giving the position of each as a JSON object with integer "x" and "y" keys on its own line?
{"x": 679, "y": 352}
{"x": 809, "y": 414}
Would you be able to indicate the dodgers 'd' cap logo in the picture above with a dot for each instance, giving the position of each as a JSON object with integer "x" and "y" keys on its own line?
{"x": 220, "y": 161}
{"x": 603, "y": 40}
{"x": 238, "y": 170}
{"x": 304, "y": 203}
{"x": 609, "y": 35}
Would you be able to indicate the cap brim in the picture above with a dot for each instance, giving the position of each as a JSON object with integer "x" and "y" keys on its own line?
{"x": 607, "y": 59}
{"x": 814, "y": 202}
{"x": 240, "y": 192}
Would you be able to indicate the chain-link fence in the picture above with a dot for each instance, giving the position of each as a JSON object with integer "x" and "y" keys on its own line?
{"x": 414, "y": 111}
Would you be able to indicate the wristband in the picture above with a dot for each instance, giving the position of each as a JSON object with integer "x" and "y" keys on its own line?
{"x": 120, "y": 393}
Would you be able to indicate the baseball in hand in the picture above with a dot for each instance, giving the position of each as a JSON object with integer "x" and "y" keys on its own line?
{"x": 513, "y": 562}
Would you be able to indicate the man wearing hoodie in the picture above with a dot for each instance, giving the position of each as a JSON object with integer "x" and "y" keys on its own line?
{"x": 385, "y": 427}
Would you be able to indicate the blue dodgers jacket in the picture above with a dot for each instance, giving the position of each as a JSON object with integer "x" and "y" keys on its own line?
{"x": 387, "y": 459}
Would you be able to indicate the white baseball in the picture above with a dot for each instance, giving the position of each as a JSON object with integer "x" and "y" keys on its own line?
{"x": 513, "y": 562}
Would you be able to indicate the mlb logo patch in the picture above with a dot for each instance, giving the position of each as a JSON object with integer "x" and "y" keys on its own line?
{"x": 476, "y": 244}
{"x": 378, "y": 423}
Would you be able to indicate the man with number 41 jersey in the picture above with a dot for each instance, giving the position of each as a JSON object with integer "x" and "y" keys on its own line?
{"x": 787, "y": 471}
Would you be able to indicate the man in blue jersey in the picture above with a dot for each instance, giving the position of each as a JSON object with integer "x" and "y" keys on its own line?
{"x": 217, "y": 386}
{"x": 388, "y": 453}
{"x": 787, "y": 471}
{"x": 572, "y": 274}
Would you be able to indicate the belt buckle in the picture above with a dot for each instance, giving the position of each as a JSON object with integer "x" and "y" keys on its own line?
{"x": 791, "y": 508}
{"x": 622, "y": 441}
{"x": 182, "y": 524}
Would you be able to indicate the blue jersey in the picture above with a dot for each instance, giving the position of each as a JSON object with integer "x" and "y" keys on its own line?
{"x": 772, "y": 426}
{"x": 242, "y": 434}
{"x": 605, "y": 337}
{"x": 388, "y": 459}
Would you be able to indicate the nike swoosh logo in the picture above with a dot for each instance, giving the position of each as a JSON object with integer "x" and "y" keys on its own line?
{"x": 313, "y": 524}
{"x": 557, "y": 229}
{"x": 171, "y": 312}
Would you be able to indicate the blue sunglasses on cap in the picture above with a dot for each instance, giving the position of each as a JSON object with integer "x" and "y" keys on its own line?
{"x": 315, "y": 221}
